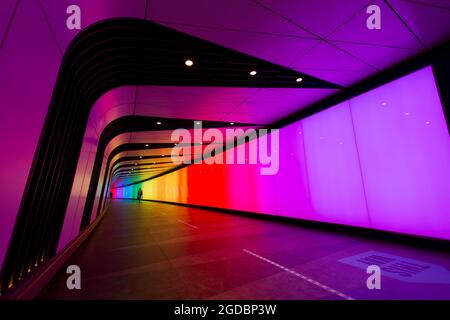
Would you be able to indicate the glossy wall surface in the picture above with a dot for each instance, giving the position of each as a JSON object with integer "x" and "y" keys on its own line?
{"x": 380, "y": 160}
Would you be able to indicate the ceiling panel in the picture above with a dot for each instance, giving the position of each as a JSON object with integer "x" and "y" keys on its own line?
{"x": 114, "y": 112}
{"x": 381, "y": 57}
{"x": 91, "y": 12}
{"x": 196, "y": 94}
{"x": 430, "y": 23}
{"x": 319, "y": 16}
{"x": 269, "y": 105}
{"x": 392, "y": 33}
{"x": 259, "y": 117}
{"x": 112, "y": 105}
{"x": 6, "y": 13}
{"x": 202, "y": 107}
{"x": 278, "y": 49}
{"x": 224, "y": 14}
{"x": 182, "y": 112}
{"x": 341, "y": 77}
{"x": 326, "y": 56}
{"x": 117, "y": 141}
{"x": 437, "y": 3}
{"x": 276, "y": 98}
{"x": 282, "y": 31}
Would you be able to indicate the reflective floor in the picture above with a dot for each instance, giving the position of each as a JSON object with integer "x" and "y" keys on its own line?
{"x": 160, "y": 251}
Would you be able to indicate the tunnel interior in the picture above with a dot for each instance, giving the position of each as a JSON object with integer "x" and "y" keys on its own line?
{"x": 161, "y": 132}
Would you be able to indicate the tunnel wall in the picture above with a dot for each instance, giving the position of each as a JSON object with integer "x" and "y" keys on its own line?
{"x": 28, "y": 53}
{"x": 380, "y": 160}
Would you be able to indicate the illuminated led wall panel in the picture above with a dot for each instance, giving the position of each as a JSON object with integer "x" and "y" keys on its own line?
{"x": 380, "y": 160}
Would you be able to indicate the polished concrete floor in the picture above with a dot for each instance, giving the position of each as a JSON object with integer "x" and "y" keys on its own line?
{"x": 152, "y": 250}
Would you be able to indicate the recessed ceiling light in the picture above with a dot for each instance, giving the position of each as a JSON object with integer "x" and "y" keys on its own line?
{"x": 158, "y": 122}
{"x": 253, "y": 72}
{"x": 299, "y": 79}
{"x": 189, "y": 63}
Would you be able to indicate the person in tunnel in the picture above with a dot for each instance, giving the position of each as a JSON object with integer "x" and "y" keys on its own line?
{"x": 140, "y": 194}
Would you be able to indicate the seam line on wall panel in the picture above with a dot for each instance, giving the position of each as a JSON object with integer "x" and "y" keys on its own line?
{"x": 359, "y": 161}
{"x": 301, "y": 276}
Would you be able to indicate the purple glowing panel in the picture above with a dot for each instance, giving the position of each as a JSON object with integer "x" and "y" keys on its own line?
{"x": 29, "y": 63}
{"x": 334, "y": 173}
{"x": 404, "y": 151}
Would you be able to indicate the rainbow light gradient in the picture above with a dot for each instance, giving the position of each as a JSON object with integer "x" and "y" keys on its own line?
{"x": 380, "y": 160}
